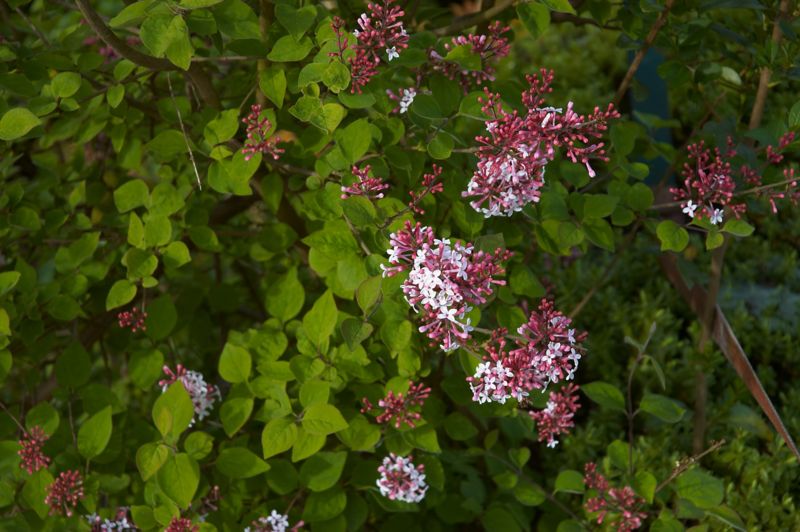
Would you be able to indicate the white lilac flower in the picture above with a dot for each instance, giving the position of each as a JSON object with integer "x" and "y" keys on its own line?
{"x": 392, "y": 53}
{"x": 716, "y": 217}
{"x": 689, "y": 208}
{"x": 401, "y": 480}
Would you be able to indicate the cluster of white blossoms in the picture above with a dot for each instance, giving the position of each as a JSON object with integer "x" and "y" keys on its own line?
{"x": 274, "y": 522}
{"x": 493, "y": 383}
{"x": 401, "y": 480}
{"x": 203, "y": 395}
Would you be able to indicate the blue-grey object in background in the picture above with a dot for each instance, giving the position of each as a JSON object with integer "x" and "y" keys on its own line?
{"x": 653, "y": 100}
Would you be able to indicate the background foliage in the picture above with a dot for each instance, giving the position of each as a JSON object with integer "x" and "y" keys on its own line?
{"x": 269, "y": 284}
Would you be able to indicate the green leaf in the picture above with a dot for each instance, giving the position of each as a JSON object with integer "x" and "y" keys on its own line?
{"x": 322, "y": 470}
{"x": 234, "y": 413}
{"x": 313, "y": 392}
{"x": 645, "y": 485}
{"x": 359, "y": 210}
{"x": 599, "y": 233}
{"x": 288, "y": 49}
{"x": 73, "y": 366}
{"x": 700, "y": 488}
{"x": 150, "y": 457}
{"x": 272, "y": 82}
{"x": 8, "y": 280}
{"x": 465, "y": 57}
{"x": 178, "y": 478}
{"x": 121, "y": 293}
{"x": 94, "y": 434}
{"x": 131, "y": 14}
{"x": 285, "y": 296}
{"x": 176, "y": 254}
{"x": 324, "y": 505}
{"x": 604, "y": 394}
{"x": 296, "y": 21}
{"x": 441, "y": 146}
{"x": 43, "y": 415}
{"x": 738, "y": 228}
{"x": 529, "y": 494}
{"x": 794, "y": 115}
{"x": 320, "y": 321}
{"x": 63, "y": 308}
{"x": 535, "y": 17}
{"x": 278, "y": 436}
{"x": 157, "y": 231}
{"x": 360, "y": 435}
{"x": 198, "y": 445}
{"x": 598, "y": 205}
{"x": 197, "y": 4}
{"x": 672, "y": 236}
{"x": 222, "y": 128}
{"x": 66, "y": 84}
{"x": 323, "y": 419}
{"x": 570, "y": 481}
{"x": 17, "y": 122}
{"x": 35, "y": 490}
{"x": 727, "y": 516}
{"x": 368, "y": 293}
{"x": 306, "y": 445}
{"x": 662, "y": 407}
{"x": 459, "y": 427}
{"x": 234, "y": 364}
{"x": 336, "y": 77}
{"x": 145, "y": 367}
{"x": 238, "y": 462}
{"x": 161, "y": 317}
{"x": 562, "y": 6}
{"x": 354, "y": 140}
{"x": 131, "y": 195}
{"x": 168, "y": 35}
{"x": 173, "y": 411}
{"x": 639, "y": 197}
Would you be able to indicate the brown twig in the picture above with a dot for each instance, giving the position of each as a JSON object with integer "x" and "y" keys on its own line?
{"x": 183, "y": 130}
{"x": 195, "y": 73}
{"x": 757, "y": 114}
{"x": 33, "y": 26}
{"x": 637, "y": 60}
{"x": 686, "y": 463}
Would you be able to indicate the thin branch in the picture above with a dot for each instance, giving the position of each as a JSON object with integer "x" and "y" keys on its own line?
{"x": 195, "y": 73}
{"x": 473, "y": 20}
{"x": 183, "y": 130}
{"x": 763, "y": 83}
{"x": 33, "y": 26}
{"x": 686, "y": 463}
{"x": 637, "y": 60}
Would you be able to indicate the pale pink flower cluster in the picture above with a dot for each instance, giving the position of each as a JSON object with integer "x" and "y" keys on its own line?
{"x": 381, "y": 34}
{"x": 401, "y": 480}
{"x": 548, "y": 351}
{"x": 274, "y": 522}
{"x": 445, "y": 280}
{"x": 120, "y": 522}
{"x": 203, "y": 395}
{"x": 369, "y": 187}
{"x": 64, "y": 493}
{"x": 623, "y": 503}
{"x": 32, "y": 457}
{"x": 397, "y": 407}
{"x": 258, "y": 139}
{"x": 513, "y": 156}
{"x": 708, "y": 184}
{"x": 487, "y": 48}
{"x": 404, "y": 98}
{"x": 557, "y": 417}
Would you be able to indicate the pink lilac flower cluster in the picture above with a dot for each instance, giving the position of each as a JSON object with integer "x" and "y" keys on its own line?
{"x": 397, "y": 407}
{"x": 622, "y": 502}
{"x": 547, "y": 351}
{"x": 132, "y": 319}
{"x": 556, "y": 418}
{"x": 203, "y": 395}
{"x": 119, "y": 522}
{"x": 369, "y": 187}
{"x": 488, "y": 48}
{"x": 401, "y": 480}
{"x": 708, "y": 184}
{"x": 445, "y": 280}
{"x": 64, "y": 493}
{"x": 430, "y": 185}
{"x": 381, "y": 34}
{"x": 33, "y": 459}
{"x": 182, "y": 524}
{"x": 274, "y": 522}
{"x": 258, "y": 139}
{"x": 513, "y": 156}
{"x": 404, "y": 99}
